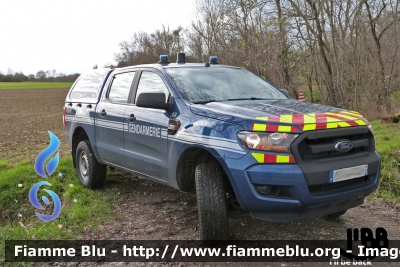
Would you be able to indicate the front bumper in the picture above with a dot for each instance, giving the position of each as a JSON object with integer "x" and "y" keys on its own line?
{"x": 294, "y": 199}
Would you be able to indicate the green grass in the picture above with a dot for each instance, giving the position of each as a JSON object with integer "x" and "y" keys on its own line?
{"x": 3, "y": 164}
{"x": 387, "y": 139}
{"x": 34, "y": 85}
{"x": 81, "y": 207}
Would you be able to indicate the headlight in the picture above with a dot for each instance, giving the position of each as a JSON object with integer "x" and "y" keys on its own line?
{"x": 279, "y": 142}
{"x": 370, "y": 128}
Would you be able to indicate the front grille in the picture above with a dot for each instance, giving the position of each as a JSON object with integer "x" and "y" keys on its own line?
{"x": 321, "y": 147}
{"x": 316, "y": 155}
{"x": 339, "y": 186}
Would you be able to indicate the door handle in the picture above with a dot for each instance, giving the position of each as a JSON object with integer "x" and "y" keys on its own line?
{"x": 131, "y": 117}
{"x": 103, "y": 113}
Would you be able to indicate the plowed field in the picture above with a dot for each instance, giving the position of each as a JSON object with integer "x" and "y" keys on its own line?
{"x": 25, "y": 118}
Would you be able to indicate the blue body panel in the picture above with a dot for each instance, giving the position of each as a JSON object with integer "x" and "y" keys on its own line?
{"x": 291, "y": 176}
{"x": 212, "y": 127}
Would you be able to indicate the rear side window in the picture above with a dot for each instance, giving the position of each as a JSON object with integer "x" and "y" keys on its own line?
{"x": 88, "y": 86}
{"x": 121, "y": 87}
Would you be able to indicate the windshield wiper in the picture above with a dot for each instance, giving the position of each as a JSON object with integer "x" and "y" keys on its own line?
{"x": 231, "y": 99}
{"x": 248, "y": 98}
{"x": 205, "y": 101}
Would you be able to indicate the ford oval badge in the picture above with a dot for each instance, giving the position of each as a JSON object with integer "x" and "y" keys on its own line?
{"x": 344, "y": 146}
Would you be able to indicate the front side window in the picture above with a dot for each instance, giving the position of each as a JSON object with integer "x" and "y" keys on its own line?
{"x": 221, "y": 84}
{"x": 121, "y": 87}
{"x": 150, "y": 82}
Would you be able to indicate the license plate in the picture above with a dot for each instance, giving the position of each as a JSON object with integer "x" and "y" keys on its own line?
{"x": 348, "y": 173}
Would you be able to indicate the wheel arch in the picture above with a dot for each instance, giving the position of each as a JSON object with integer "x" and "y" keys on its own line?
{"x": 80, "y": 134}
{"x": 186, "y": 165}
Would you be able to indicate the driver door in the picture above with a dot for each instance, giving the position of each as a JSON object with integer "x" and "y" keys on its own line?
{"x": 145, "y": 130}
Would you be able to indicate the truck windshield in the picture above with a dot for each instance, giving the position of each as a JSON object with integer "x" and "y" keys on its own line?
{"x": 203, "y": 85}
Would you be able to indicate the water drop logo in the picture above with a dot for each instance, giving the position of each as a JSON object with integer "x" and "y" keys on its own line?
{"x": 50, "y": 168}
{"x": 45, "y": 154}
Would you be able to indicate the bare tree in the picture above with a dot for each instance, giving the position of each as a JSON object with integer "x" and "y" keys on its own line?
{"x": 345, "y": 52}
{"x": 379, "y": 24}
{"x": 41, "y": 75}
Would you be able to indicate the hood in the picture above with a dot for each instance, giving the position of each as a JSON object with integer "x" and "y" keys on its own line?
{"x": 259, "y": 114}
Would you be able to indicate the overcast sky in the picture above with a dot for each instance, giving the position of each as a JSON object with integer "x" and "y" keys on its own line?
{"x": 74, "y": 35}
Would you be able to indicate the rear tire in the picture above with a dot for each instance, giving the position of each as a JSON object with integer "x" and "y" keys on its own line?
{"x": 90, "y": 172}
{"x": 335, "y": 215}
{"x": 211, "y": 201}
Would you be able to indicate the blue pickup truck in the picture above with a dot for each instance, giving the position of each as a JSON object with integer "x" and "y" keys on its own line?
{"x": 244, "y": 146}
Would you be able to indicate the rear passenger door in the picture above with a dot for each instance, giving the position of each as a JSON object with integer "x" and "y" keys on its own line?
{"x": 146, "y": 129}
{"x": 110, "y": 118}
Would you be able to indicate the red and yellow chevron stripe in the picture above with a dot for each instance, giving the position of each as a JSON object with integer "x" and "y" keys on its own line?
{"x": 310, "y": 122}
{"x": 273, "y": 158}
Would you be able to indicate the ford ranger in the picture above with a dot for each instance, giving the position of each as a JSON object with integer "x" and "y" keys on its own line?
{"x": 243, "y": 145}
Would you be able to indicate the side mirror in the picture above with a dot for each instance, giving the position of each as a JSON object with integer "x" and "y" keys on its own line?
{"x": 154, "y": 99}
{"x": 285, "y": 92}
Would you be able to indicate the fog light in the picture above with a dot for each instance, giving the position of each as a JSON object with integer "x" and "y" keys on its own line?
{"x": 268, "y": 191}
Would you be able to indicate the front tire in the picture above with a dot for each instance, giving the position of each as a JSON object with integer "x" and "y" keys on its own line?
{"x": 211, "y": 201}
{"x": 90, "y": 172}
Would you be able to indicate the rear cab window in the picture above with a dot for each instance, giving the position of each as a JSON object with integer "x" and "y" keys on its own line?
{"x": 88, "y": 86}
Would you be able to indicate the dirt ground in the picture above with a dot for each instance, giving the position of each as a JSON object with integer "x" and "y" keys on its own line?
{"x": 148, "y": 210}
{"x": 25, "y": 118}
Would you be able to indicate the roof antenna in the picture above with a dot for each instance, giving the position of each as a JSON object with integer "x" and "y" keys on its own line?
{"x": 181, "y": 58}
